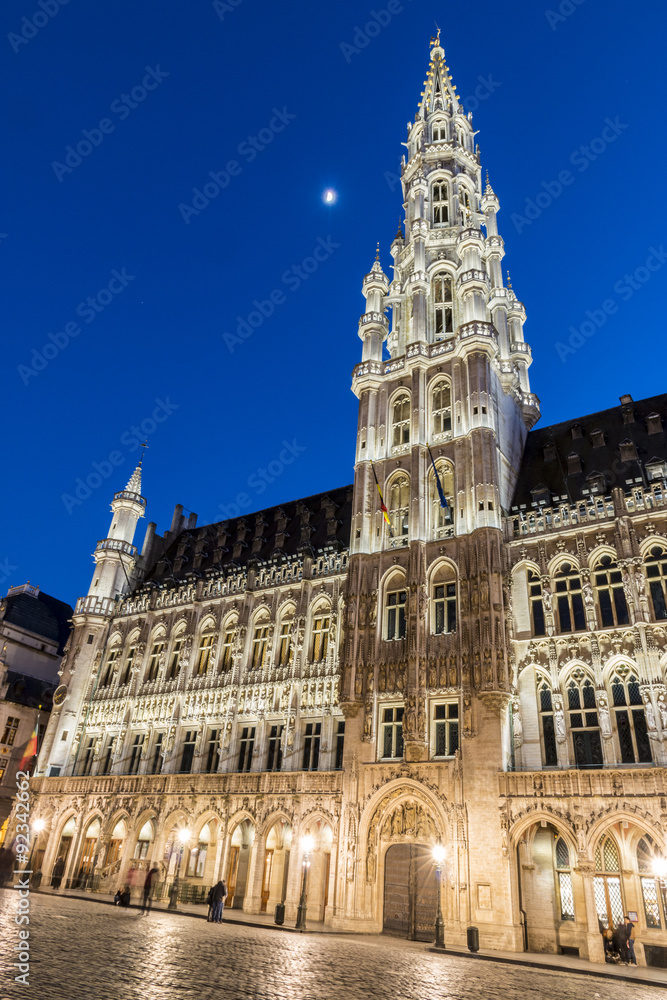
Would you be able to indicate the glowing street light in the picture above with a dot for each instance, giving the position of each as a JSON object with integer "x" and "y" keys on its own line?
{"x": 330, "y": 197}
{"x": 660, "y": 872}
{"x": 37, "y": 827}
{"x": 307, "y": 844}
{"x": 439, "y": 853}
{"x": 183, "y": 836}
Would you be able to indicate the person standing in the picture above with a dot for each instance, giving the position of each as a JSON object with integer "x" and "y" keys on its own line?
{"x": 630, "y": 936}
{"x": 148, "y": 889}
{"x": 620, "y": 940}
{"x": 57, "y": 875}
{"x": 218, "y": 894}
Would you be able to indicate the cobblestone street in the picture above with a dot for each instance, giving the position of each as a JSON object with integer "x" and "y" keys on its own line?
{"x": 84, "y": 951}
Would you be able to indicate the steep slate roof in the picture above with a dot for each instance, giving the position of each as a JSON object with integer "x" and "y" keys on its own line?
{"x": 31, "y": 691}
{"x": 276, "y": 532}
{"x": 551, "y": 453}
{"x": 44, "y": 615}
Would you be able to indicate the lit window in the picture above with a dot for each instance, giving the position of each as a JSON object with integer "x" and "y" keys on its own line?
{"x": 154, "y": 661}
{"x": 112, "y": 664}
{"x": 11, "y": 727}
{"x": 399, "y": 506}
{"x": 392, "y": 733}
{"x": 226, "y": 659}
{"x": 442, "y": 306}
{"x": 441, "y": 408}
{"x": 175, "y": 661}
{"x": 401, "y": 421}
{"x": 607, "y": 883}
{"x": 395, "y": 614}
{"x": 321, "y": 626}
{"x": 259, "y": 643}
{"x": 445, "y": 729}
{"x": 204, "y": 654}
{"x": 440, "y": 207}
{"x": 564, "y": 880}
{"x": 285, "y": 644}
{"x": 646, "y": 854}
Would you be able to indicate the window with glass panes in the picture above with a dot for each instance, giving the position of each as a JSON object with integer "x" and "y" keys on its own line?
{"x": 444, "y": 607}
{"x": 546, "y": 710}
{"x": 274, "y": 760}
{"x": 188, "y": 753}
{"x": 204, "y": 654}
{"x": 611, "y": 596}
{"x": 536, "y": 605}
{"x": 112, "y": 664}
{"x": 311, "y": 746}
{"x": 156, "y": 762}
{"x": 339, "y": 745}
{"x": 583, "y": 719}
{"x": 440, "y": 132}
{"x": 227, "y": 650}
{"x": 175, "y": 659}
{"x": 10, "y": 730}
{"x": 135, "y": 753}
{"x": 442, "y": 516}
{"x": 285, "y": 644}
{"x": 569, "y": 600}
{"x": 607, "y": 883}
{"x": 212, "y": 747}
{"x": 260, "y": 641}
{"x": 391, "y": 734}
{"x": 401, "y": 421}
{"x": 129, "y": 665}
{"x": 564, "y": 877}
{"x": 154, "y": 661}
{"x": 399, "y": 506}
{"x": 443, "y": 313}
{"x": 446, "y": 729}
{"x": 87, "y": 757}
{"x": 321, "y": 626}
{"x": 246, "y": 747}
{"x": 440, "y": 194}
{"x": 656, "y": 573}
{"x": 633, "y": 737}
{"x": 441, "y": 408}
{"x": 395, "y": 614}
{"x": 105, "y": 766}
{"x": 646, "y": 854}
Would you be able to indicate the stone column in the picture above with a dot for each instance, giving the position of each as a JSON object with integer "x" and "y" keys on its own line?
{"x": 594, "y": 946}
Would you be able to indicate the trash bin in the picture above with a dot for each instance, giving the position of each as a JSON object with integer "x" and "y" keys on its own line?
{"x": 280, "y": 913}
{"x": 473, "y": 939}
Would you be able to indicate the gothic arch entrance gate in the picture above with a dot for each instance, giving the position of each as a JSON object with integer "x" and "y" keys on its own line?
{"x": 410, "y": 892}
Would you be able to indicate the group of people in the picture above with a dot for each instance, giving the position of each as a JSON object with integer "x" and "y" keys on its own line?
{"x": 619, "y": 942}
{"x": 216, "y": 902}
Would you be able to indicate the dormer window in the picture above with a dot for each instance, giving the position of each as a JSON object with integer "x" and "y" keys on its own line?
{"x": 549, "y": 453}
{"x": 573, "y": 464}
{"x": 597, "y": 438}
{"x": 440, "y": 203}
{"x": 656, "y": 469}
{"x": 576, "y": 431}
{"x": 596, "y": 482}
{"x": 541, "y": 495}
{"x": 628, "y": 451}
{"x": 654, "y": 423}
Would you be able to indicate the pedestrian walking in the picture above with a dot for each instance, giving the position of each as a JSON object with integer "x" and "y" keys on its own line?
{"x": 218, "y": 895}
{"x": 146, "y": 899}
{"x": 630, "y": 938}
{"x": 57, "y": 874}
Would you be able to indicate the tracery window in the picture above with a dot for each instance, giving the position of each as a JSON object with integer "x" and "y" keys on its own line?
{"x": 260, "y": 641}
{"x": 175, "y": 660}
{"x": 399, "y": 506}
{"x": 442, "y": 306}
{"x": 611, "y": 596}
{"x": 112, "y": 664}
{"x": 583, "y": 719}
{"x": 633, "y": 737}
{"x": 656, "y": 571}
{"x": 546, "y": 710}
{"x": 441, "y": 409}
{"x": 285, "y": 644}
{"x": 440, "y": 203}
{"x": 440, "y": 132}
{"x": 204, "y": 654}
{"x": 227, "y": 651}
{"x": 401, "y": 421}
{"x": 154, "y": 661}
{"x": 569, "y": 600}
{"x": 129, "y": 664}
{"x": 536, "y": 604}
{"x": 607, "y": 882}
{"x": 321, "y": 628}
{"x": 464, "y": 199}
{"x": 646, "y": 853}
{"x": 564, "y": 877}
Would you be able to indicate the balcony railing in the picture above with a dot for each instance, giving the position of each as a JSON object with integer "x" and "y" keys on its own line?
{"x": 565, "y": 515}
{"x": 94, "y": 606}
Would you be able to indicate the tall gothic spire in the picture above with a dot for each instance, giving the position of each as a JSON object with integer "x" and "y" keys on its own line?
{"x": 134, "y": 483}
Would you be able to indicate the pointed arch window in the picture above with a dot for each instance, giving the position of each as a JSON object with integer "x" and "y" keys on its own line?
{"x": 204, "y": 654}
{"x": 633, "y": 737}
{"x": 443, "y": 525}
{"x": 546, "y": 710}
{"x": 607, "y": 882}
{"x": 395, "y": 624}
{"x": 227, "y": 652}
{"x": 111, "y": 667}
{"x": 656, "y": 571}
{"x": 564, "y": 877}
{"x": 399, "y": 506}
{"x": 646, "y": 855}
{"x": 464, "y": 197}
{"x": 260, "y": 641}
{"x": 154, "y": 661}
{"x": 441, "y": 409}
{"x": 440, "y": 193}
{"x": 285, "y": 643}
{"x": 443, "y": 310}
{"x": 401, "y": 421}
{"x": 611, "y": 596}
{"x": 569, "y": 600}
{"x": 175, "y": 659}
{"x": 440, "y": 132}
{"x": 321, "y": 629}
{"x": 583, "y": 719}
{"x": 536, "y": 604}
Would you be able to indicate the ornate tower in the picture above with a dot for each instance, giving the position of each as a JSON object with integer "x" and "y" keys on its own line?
{"x": 443, "y": 386}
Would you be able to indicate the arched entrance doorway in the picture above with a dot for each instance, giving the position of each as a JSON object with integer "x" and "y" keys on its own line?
{"x": 239, "y": 863}
{"x": 88, "y": 853}
{"x": 410, "y": 892}
{"x": 319, "y": 869}
{"x": 62, "y": 854}
{"x": 276, "y": 865}
{"x": 551, "y": 892}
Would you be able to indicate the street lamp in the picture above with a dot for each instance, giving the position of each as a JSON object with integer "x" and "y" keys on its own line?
{"x": 307, "y": 844}
{"x": 660, "y": 872}
{"x": 439, "y": 857}
{"x": 37, "y": 827}
{"x": 183, "y": 837}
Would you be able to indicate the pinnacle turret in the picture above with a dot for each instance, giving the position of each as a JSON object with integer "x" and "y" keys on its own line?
{"x": 134, "y": 483}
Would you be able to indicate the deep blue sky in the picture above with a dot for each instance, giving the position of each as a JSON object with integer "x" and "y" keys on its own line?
{"x": 162, "y": 336}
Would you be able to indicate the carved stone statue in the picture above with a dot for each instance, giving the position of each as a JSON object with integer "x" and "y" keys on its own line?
{"x": 603, "y": 714}
{"x": 559, "y": 718}
{"x": 589, "y": 596}
{"x": 662, "y": 708}
{"x": 650, "y": 713}
{"x": 517, "y": 725}
{"x": 547, "y": 598}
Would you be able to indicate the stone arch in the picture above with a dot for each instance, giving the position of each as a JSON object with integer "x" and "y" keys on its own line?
{"x": 239, "y": 865}
{"x": 275, "y": 848}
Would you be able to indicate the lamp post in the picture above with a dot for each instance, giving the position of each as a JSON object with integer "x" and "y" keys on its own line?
{"x": 660, "y": 872}
{"x": 439, "y": 857}
{"x": 183, "y": 837}
{"x": 37, "y": 827}
{"x": 307, "y": 844}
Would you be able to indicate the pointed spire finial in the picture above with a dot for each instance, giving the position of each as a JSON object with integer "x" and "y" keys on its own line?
{"x": 509, "y": 282}
{"x": 377, "y": 252}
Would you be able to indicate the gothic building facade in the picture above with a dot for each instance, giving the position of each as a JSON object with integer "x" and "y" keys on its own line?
{"x": 483, "y": 668}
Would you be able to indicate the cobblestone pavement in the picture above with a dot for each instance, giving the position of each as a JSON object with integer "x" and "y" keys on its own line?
{"x": 82, "y": 951}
